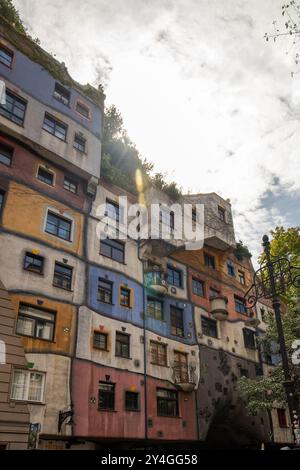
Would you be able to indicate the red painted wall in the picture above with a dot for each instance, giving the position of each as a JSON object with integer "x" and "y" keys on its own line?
{"x": 90, "y": 422}
{"x": 24, "y": 168}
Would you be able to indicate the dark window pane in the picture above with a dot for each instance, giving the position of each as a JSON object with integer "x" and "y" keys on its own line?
{"x": 125, "y": 297}
{"x": 176, "y": 321}
{"x": 249, "y": 338}
{"x": 209, "y": 327}
{"x": 45, "y": 176}
{"x": 122, "y": 345}
{"x": 33, "y": 263}
{"x": 62, "y": 276}
{"x": 174, "y": 277}
{"x": 167, "y": 403}
{"x": 6, "y": 154}
{"x": 106, "y": 396}
{"x": 112, "y": 249}
{"x": 6, "y": 56}
{"x": 62, "y": 94}
{"x": 100, "y": 340}
{"x": 155, "y": 308}
{"x": 70, "y": 185}
{"x": 131, "y": 401}
{"x": 240, "y": 305}
{"x": 58, "y": 226}
{"x": 82, "y": 109}
{"x": 35, "y": 322}
{"x": 14, "y": 109}
{"x": 209, "y": 261}
{"x": 54, "y": 127}
{"x": 79, "y": 143}
{"x": 2, "y": 194}
{"x": 105, "y": 291}
{"x": 198, "y": 287}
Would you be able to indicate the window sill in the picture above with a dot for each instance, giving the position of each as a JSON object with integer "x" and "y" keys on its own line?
{"x": 134, "y": 411}
{"x": 36, "y": 338}
{"x": 123, "y": 357}
{"x": 166, "y": 416}
{"x": 108, "y": 257}
{"x": 160, "y": 365}
{"x": 106, "y": 303}
{"x": 60, "y": 238}
{"x": 30, "y": 402}
{"x": 63, "y": 288}
{"x": 107, "y": 411}
{"x": 53, "y": 135}
{"x": 33, "y": 272}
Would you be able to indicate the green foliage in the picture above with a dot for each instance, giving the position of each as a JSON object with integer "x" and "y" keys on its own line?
{"x": 11, "y": 14}
{"x": 266, "y": 392}
{"x": 261, "y": 394}
{"x": 241, "y": 251}
{"x": 121, "y": 159}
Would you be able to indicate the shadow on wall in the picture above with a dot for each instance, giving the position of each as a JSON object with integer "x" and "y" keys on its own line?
{"x": 223, "y": 422}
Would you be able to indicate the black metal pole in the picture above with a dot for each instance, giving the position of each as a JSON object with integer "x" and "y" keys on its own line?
{"x": 288, "y": 382}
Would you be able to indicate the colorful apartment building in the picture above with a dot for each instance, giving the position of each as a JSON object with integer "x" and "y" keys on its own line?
{"x": 128, "y": 342}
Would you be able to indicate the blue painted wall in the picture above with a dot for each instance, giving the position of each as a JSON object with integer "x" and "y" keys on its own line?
{"x": 33, "y": 79}
{"x": 135, "y": 315}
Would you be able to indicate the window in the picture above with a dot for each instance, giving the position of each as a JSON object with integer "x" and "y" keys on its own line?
{"x": 213, "y": 292}
{"x": 6, "y": 154}
{"x": 230, "y": 269}
{"x": 27, "y": 385}
{"x": 209, "y": 261}
{"x": 58, "y": 226}
{"x": 6, "y": 56}
{"x": 244, "y": 372}
{"x": 241, "y": 277}
{"x": 14, "y": 109}
{"x": 131, "y": 401}
{"x": 158, "y": 353}
{"x": 176, "y": 321}
{"x": 112, "y": 249}
{"x": 2, "y": 195}
{"x": 281, "y": 415}
{"x": 198, "y": 287}
{"x": 240, "y": 305}
{"x": 167, "y": 218}
{"x": 34, "y": 263}
{"x": 221, "y": 213}
{"x": 82, "y": 109}
{"x": 114, "y": 211}
{"x": 181, "y": 367}
{"x": 105, "y": 290}
{"x": 54, "y": 127}
{"x": 249, "y": 338}
{"x": 174, "y": 277}
{"x": 45, "y": 176}
{"x": 194, "y": 214}
{"x": 62, "y": 276}
{"x": 106, "y": 396}
{"x": 35, "y": 322}
{"x": 62, "y": 94}
{"x": 125, "y": 297}
{"x": 167, "y": 402}
{"x": 100, "y": 340}
{"x": 209, "y": 327}
{"x": 80, "y": 143}
{"x": 70, "y": 185}
{"x": 122, "y": 345}
{"x": 155, "y": 308}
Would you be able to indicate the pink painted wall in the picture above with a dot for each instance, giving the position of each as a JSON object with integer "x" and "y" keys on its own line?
{"x": 90, "y": 422}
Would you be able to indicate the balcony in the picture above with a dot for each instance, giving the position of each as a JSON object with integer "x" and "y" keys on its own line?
{"x": 184, "y": 377}
{"x": 155, "y": 282}
{"x": 218, "y": 305}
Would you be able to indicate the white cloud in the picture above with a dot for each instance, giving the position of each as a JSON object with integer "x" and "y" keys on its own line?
{"x": 202, "y": 94}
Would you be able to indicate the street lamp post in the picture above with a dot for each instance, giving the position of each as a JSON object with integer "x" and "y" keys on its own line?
{"x": 269, "y": 282}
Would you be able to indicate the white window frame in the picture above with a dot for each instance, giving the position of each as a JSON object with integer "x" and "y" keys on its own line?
{"x": 27, "y": 385}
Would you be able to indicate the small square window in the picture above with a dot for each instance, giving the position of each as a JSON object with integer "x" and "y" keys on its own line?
{"x": 125, "y": 297}
{"x": 70, "y": 185}
{"x": 55, "y": 127}
{"x": 167, "y": 402}
{"x": 33, "y": 263}
{"x": 45, "y": 176}
{"x": 100, "y": 341}
{"x": 6, "y": 154}
{"x": 80, "y": 143}
{"x": 113, "y": 249}
{"x": 131, "y": 401}
{"x": 105, "y": 290}
{"x": 58, "y": 226}
{"x": 62, "y": 94}
{"x": 83, "y": 109}
{"x": 62, "y": 276}
{"x": 6, "y": 56}
{"x": 209, "y": 261}
{"x": 35, "y": 322}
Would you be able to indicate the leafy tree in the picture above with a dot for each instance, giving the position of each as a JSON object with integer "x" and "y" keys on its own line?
{"x": 11, "y": 14}
{"x": 121, "y": 159}
{"x": 267, "y": 391}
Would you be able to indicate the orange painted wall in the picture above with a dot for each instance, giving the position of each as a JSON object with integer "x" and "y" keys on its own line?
{"x": 25, "y": 212}
{"x": 64, "y": 341}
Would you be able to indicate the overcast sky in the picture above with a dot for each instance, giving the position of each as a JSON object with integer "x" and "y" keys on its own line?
{"x": 202, "y": 94}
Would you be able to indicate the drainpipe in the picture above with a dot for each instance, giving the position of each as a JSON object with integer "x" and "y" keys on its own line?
{"x": 145, "y": 348}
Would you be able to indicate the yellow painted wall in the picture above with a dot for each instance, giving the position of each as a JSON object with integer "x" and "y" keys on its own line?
{"x": 25, "y": 212}
{"x": 65, "y": 325}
